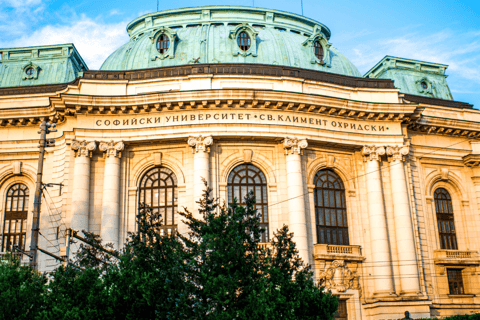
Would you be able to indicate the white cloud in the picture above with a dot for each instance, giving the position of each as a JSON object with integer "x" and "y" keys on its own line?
{"x": 94, "y": 40}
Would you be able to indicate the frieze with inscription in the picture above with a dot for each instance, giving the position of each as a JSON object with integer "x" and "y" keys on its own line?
{"x": 259, "y": 118}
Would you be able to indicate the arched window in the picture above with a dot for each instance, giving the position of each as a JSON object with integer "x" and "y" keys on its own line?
{"x": 318, "y": 50}
{"x": 330, "y": 208}
{"x": 243, "y": 179}
{"x": 163, "y": 43}
{"x": 158, "y": 189}
{"x": 243, "y": 41}
{"x": 446, "y": 225}
{"x": 16, "y": 212}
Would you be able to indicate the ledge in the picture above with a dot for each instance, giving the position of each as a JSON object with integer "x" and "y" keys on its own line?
{"x": 337, "y": 252}
{"x": 456, "y": 257}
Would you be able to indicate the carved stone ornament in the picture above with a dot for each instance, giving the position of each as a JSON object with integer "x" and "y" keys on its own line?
{"x": 338, "y": 277}
{"x": 372, "y": 152}
{"x": 84, "y": 148}
{"x": 397, "y": 152}
{"x": 112, "y": 148}
{"x": 294, "y": 145}
{"x": 201, "y": 143}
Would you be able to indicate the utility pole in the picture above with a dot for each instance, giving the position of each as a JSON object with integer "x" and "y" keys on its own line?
{"x": 37, "y": 203}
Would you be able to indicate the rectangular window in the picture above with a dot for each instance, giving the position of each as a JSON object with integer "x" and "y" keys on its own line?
{"x": 455, "y": 281}
{"x": 341, "y": 313}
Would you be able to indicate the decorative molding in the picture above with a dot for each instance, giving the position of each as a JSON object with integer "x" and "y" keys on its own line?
{"x": 172, "y": 36}
{"x": 471, "y": 160}
{"x": 372, "y": 153}
{"x": 17, "y": 167}
{"x": 330, "y": 161}
{"x": 112, "y": 148}
{"x": 253, "y": 39}
{"x": 339, "y": 277}
{"x": 428, "y": 90}
{"x": 294, "y": 145}
{"x": 201, "y": 143}
{"x": 320, "y": 37}
{"x": 34, "y": 74}
{"x": 397, "y": 153}
{"x": 247, "y": 155}
{"x": 83, "y": 148}
{"x": 157, "y": 158}
{"x": 444, "y": 174}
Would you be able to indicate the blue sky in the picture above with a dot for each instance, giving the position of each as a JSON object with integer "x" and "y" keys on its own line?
{"x": 364, "y": 31}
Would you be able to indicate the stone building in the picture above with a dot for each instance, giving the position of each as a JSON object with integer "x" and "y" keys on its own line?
{"x": 377, "y": 176}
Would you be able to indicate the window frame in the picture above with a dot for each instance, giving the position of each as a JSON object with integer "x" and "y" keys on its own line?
{"x": 341, "y": 191}
{"x": 156, "y": 185}
{"x": 263, "y": 185}
{"x": 16, "y": 215}
{"x": 445, "y": 238}
{"x": 455, "y": 279}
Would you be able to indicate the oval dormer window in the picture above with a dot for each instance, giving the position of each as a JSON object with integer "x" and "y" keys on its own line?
{"x": 424, "y": 85}
{"x": 318, "y": 50}
{"x": 244, "y": 41}
{"x": 29, "y": 71}
{"x": 163, "y": 43}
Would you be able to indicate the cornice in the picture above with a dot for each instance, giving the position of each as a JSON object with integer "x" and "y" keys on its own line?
{"x": 446, "y": 126}
{"x": 71, "y": 105}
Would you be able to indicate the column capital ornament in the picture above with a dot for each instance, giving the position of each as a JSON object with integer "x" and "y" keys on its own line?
{"x": 201, "y": 143}
{"x": 471, "y": 160}
{"x": 294, "y": 145}
{"x": 83, "y": 148}
{"x": 112, "y": 148}
{"x": 397, "y": 152}
{"x": 372, "y": 152}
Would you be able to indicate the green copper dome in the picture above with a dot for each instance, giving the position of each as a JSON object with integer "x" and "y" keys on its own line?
{"x": 211, "y": 35}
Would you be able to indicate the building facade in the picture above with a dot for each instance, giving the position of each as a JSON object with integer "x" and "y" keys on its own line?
{"x": 377, "y": 176}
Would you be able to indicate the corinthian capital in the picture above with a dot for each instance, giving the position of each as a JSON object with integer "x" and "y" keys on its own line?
{"x": 201, "y": 143}
{"x": 83, "y": 148}
{"x": 372, "y": 152}
{"x": 397, "y": 152}
{"x": 112, "y": 148}
{"x": 294, "y": 145}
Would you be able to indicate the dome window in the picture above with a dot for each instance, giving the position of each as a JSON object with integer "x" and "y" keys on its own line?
{"x": 424, "y": 85}
{"x": 243, "y": 41}
{"x": 318, "y": 50}
{"x": 163, "y": 43}
{"x": 29, "y": 71}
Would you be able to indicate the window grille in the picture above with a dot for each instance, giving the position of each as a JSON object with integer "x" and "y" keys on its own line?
{"x": 243, "y": 179}
{"x": 243, "y": 41}
{"x": 16, "y": 212}
{"x": 330, "y": 208}
{"x": 158, "y": 189}
{"x": 446, "y": 225}
{"x": 163, "y": 43}
{"x": 455, "y": 281}
{"x": 318, "y": 50}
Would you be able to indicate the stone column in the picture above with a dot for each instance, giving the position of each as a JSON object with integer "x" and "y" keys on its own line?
{"x": 81, "y": 184}
{"x": 111, "y": 192}
{"x": 296, "y": 203}
{"x": 381, "y": 258}
{"x": 201, "y": 166}
{"x": 403, "y": 223}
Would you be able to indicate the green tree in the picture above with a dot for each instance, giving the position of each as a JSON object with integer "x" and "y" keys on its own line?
{"x": 21, "y": 289}
{"x": 237, "y": 278}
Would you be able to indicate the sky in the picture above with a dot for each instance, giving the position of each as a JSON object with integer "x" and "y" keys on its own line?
{"x": 446, "y": 32}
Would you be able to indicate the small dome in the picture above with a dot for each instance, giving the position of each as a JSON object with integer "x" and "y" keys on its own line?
{"x": 228, "y": 34}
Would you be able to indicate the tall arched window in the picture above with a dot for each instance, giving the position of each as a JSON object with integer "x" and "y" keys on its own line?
{"x": 243, "y": 179}
{"x": 330, "y": 208}
{"x": 158, "y": 189}
{"x": 16, "y": 212}
{"x": 446, "y": 225}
